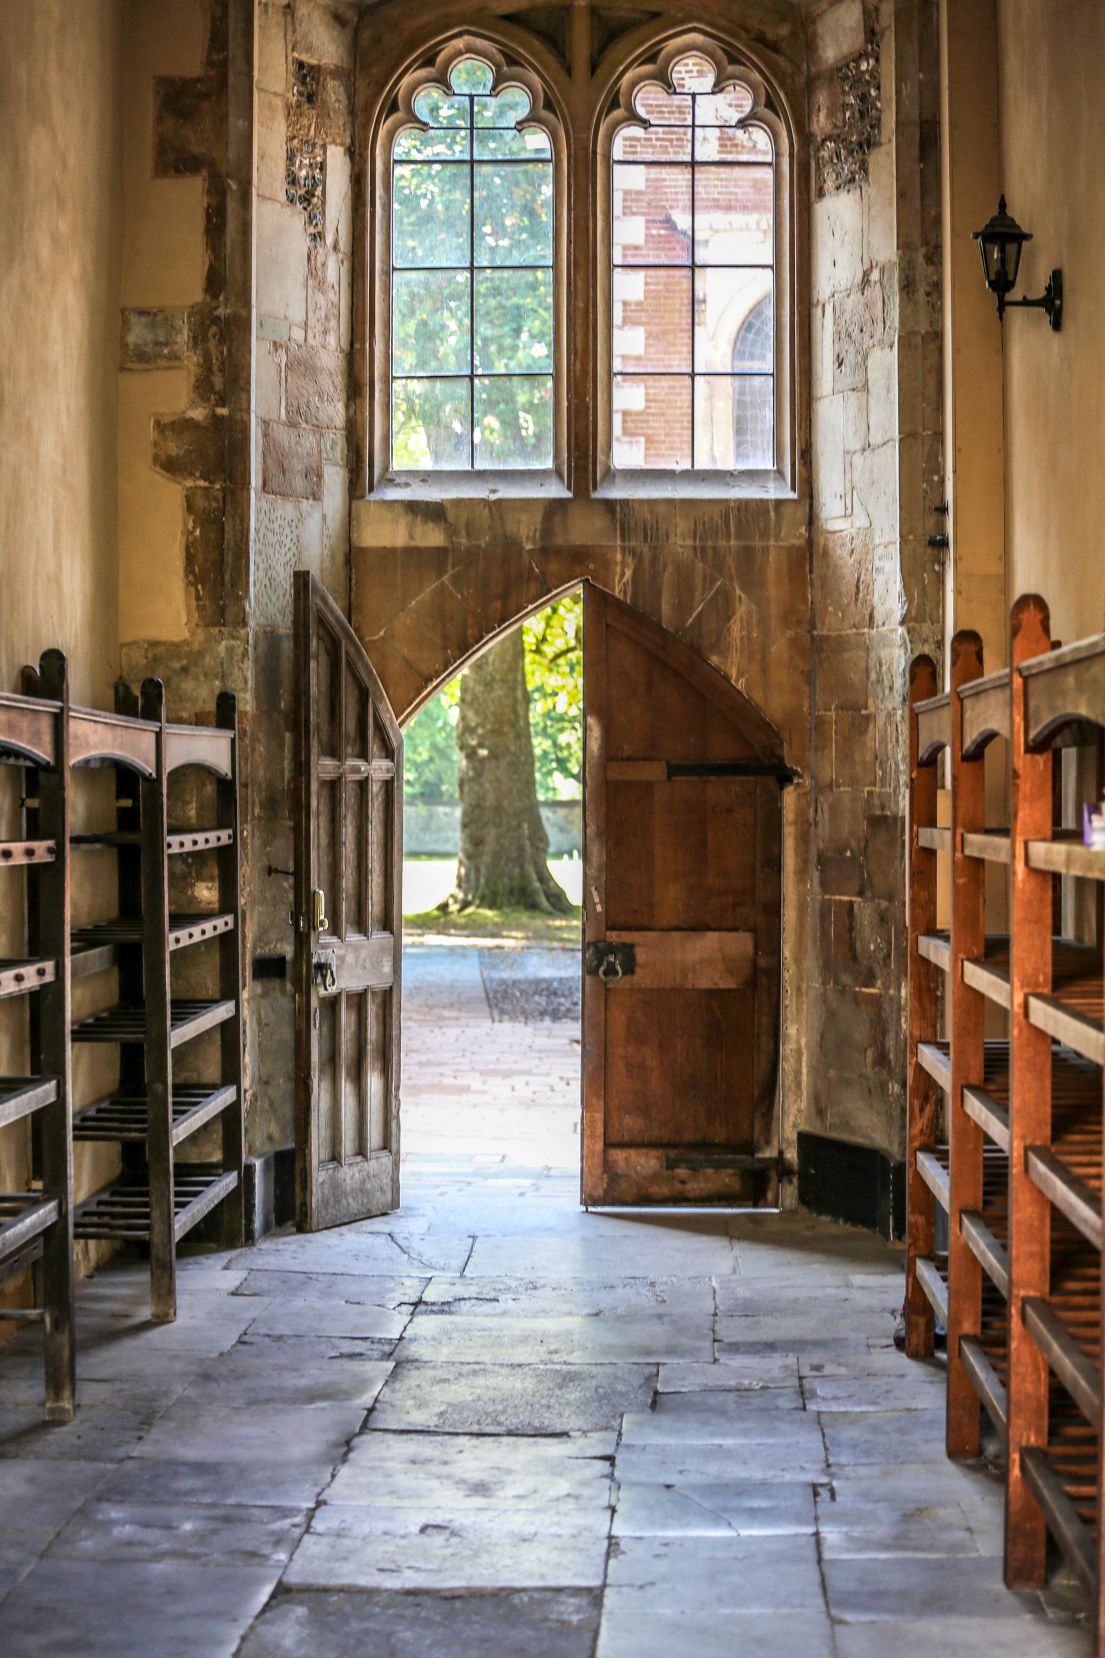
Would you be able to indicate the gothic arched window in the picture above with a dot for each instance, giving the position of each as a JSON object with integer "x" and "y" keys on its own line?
{"x": 472, "y": 276}
{"x": 692, "y": 295}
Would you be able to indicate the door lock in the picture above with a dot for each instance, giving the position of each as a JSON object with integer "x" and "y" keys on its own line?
{"x": 610, "y": 962}
{"x": 324, "y": 969}
{"x": 319, "y": 919}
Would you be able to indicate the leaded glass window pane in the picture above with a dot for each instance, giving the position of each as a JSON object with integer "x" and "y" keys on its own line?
{"x": 472, "y": 280}
{"x": 693, "y": 243}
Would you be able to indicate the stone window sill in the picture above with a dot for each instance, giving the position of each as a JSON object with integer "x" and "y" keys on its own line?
{"x": 470, "y": 486}
{"x": 662, "y": 485}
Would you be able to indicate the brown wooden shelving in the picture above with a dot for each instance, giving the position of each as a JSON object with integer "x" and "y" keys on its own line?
{"x": 1017, "y": 1160}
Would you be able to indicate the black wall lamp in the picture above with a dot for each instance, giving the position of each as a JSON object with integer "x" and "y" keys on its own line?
{"x": 1000, "y": 242}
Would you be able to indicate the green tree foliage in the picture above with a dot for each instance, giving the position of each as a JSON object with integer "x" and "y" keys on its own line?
{"x": 430, "y": 748}
{"x": 554, "y": 677}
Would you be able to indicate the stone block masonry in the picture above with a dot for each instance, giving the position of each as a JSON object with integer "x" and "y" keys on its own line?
{"x": 877, "y": 590}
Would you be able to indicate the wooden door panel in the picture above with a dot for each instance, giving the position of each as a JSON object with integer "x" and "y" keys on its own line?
{"x": 678, "y": 853}
{"x": 644, "y": 716}
{"x": 682, "y": 853}
{"x": 679, "y": 960}
{"x": 703, "y": 1095}
{"x": 348, "y": 946}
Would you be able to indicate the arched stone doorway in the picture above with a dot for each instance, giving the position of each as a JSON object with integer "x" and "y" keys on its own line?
{"x": 683, "y": 919}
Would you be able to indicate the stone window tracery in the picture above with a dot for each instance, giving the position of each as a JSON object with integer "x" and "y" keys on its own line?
{"x": 472, "y": 276}
{"x": 693, "y": 254}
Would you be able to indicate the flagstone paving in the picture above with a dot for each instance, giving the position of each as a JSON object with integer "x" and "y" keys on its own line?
{"x": 496, "y": 1424}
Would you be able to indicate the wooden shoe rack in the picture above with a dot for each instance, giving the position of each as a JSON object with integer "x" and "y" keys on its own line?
{"x": 36, "y": 1225}
{"x": 1006, "y": 1134}
{"x": 153, "y": 1115}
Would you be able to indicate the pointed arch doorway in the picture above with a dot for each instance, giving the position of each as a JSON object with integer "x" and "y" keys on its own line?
{"x": 682, "y": 923}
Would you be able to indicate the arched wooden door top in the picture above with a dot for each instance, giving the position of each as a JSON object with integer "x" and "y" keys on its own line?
{"x": 726, "y": 725}
{"x": 763, "y": 740}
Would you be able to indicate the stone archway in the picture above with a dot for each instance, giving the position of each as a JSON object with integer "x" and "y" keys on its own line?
{"x": 470, "y": 569}
{"x": 450, "y": 577}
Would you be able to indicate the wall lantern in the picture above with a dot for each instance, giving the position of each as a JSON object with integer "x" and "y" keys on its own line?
{"x": 1000, "y": 242}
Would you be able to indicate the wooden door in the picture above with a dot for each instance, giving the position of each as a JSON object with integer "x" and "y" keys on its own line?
{"x": 682, "y": 833}
{"x": 349, "y": 767}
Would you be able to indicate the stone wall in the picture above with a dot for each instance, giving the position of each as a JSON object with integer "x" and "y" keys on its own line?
{"x": 432, "y": 827}
{"x": 877, "y": 586}
{"x": 244, "y": 161}
{"x": 303, "y": 105}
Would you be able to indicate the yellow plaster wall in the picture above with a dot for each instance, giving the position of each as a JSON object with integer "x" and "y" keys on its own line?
{"x": 1053, "y": 141}
{"x": 59, "y": 334}
{"x": 59, "y": 352}
{"x": 163, "y": 217}
{"x": 162, "y": 265}
{"x": 152, "y": 602}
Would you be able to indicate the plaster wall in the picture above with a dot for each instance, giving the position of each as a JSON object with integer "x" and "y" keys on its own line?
{"x": 1052, "y": 141}
{"x": 978, "y": 596}
{"x": 59, "y": 317}
{"x": 59, "y": 298}
{"x": 162, "y": 267}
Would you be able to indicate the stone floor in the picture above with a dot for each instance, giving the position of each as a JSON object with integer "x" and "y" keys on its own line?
{"x": 495, "y": 1425}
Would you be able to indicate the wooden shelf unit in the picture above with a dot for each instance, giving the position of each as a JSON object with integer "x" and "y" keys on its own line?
{"x": 158, "y": 1198}
{"x": 978, "y": 1221}
{"x": 1054, "y": 1483}
{"x": 929, "y": 1067}
{"x": 1019, "y": 1170}
{"x": 36, "y": 1224}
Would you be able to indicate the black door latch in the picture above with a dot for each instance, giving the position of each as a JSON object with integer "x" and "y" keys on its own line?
{"x": 610, "y": 961}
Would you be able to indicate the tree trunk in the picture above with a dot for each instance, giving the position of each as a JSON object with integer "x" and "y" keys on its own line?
{"x": 503, "y": 844}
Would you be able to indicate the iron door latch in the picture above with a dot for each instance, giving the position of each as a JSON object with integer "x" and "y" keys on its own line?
{"x": 610, "y": 962}
{"x": 324, "y": 968}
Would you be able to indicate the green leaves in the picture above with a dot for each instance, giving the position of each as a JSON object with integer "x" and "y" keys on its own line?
{"x": 553, "y": 641}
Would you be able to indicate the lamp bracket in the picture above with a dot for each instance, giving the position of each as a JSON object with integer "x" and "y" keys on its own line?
{"x": 1050, "y": 302}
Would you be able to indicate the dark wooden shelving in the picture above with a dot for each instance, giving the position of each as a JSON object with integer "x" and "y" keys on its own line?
{"x": 20, "y": 854}
{"x": 19, "y": 975}
{"x": 125, "y": 1116}
{"x": 187, "y": 1019}
{"x": 36, "y": 1224}
{"x": 21, "y": 1096}
{"x": 150, "y": 1113}
{"x": 96, "y": 948}
{"x": 176, "y": 841}
{"x": 122, "y": 1212}
{"x": 23, "y": 1216}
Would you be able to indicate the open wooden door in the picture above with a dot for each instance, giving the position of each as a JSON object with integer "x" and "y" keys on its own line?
{"x": 682, "y": 905}
{"x": 349, "y": 839}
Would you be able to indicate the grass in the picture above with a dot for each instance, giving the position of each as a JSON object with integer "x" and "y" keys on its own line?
{"x": 517, "y": 926}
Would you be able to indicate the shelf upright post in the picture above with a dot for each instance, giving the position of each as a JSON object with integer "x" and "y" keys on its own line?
{"x": 157, "y": 997}
{"x": 967, "y": 1032}
{"x": 230, "y": 979}
{"x": 1030, "y": 1107}
{"x": 923, "y": 1097}
{"x": 53, "y": 1029}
